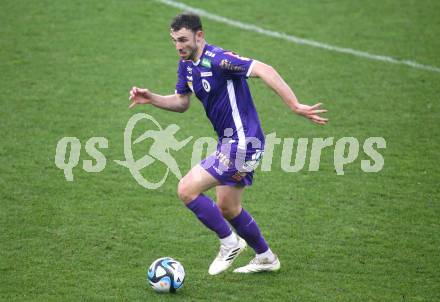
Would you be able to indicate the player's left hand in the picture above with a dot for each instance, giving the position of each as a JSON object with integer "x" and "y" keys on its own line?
{"x": 312, "y": 113}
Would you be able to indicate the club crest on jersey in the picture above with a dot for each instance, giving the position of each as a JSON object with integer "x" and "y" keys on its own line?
{"x": 206, "y": 85}
{"x": 206, "y": 62}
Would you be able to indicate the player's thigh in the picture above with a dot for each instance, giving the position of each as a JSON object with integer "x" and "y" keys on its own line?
{"x": 195, "y": 182}
{"x": 229, "y": 200}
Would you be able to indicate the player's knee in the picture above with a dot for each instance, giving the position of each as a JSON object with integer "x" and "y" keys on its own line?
{"x": 228, "y": 211}
{"x": 225, "y": 212}
{"x": 184, "y": 192}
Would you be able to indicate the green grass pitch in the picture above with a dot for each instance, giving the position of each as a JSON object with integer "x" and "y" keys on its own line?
{"x": 65, "y": 70}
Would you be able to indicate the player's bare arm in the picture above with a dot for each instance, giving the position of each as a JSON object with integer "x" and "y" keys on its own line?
{"x": 173, "y": 102}
{"x": 271, "y": 77}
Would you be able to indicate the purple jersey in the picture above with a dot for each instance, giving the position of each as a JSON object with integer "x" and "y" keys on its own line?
{"x": 218, "y": 80}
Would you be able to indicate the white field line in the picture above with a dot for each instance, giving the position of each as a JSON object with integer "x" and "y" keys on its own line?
{"x": 297, "y": 40}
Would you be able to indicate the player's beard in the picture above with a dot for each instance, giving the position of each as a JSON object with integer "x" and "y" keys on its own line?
{"x": 188, "y": 53}
{"x": 192, "y": 53}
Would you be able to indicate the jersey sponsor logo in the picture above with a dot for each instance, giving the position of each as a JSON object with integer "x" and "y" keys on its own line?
{"x": 189, "y": 69}
{"x": 227, "y": 65}
{"x": 206, "y": 85}
{"x": 210, "y": 54}
{"x": 206, "y": 62}
{"x": 206, "y": 74}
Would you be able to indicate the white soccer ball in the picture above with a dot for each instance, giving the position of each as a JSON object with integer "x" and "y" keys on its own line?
{"x": 166, "y": 275}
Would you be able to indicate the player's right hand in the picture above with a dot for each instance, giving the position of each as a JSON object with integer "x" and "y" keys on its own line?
{"x": 139, "y": 96}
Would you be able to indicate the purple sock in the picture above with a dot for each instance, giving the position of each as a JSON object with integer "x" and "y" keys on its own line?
{"x": 209, "y": 214}
{"x": 248, "y": 229}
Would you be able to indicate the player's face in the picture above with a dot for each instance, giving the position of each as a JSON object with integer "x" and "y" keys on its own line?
{"x": 187, "y": 42}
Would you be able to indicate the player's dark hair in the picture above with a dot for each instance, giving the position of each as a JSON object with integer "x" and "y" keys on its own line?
{"x": 186, "y": 20}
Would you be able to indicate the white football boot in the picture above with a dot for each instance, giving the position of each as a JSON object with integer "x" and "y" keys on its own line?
{"x": 226, "y": 256}
{"x": 259, "y": 265}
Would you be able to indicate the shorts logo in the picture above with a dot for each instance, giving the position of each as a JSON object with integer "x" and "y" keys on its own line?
{"x": 238, "y": 175}
{"x": 206, "y": 85}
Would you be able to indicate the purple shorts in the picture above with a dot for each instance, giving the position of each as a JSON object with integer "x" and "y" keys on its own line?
{"x": 232, "y": 166}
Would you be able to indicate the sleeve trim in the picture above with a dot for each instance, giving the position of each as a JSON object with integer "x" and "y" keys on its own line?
{"x": 250, "y": 69}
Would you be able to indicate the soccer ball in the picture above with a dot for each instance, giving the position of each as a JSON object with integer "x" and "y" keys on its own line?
{"x": 166, "y": 275}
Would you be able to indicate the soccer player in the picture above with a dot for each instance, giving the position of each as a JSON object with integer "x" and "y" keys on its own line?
{"x": 218, "y": 79}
